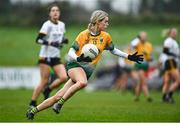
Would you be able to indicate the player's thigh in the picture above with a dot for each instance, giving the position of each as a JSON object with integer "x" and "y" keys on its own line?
{"x": 166, "y": 77}
{"x": 134, "y": 75}
{"x": 44, "y": 71}
{"x": 60, "y": 70}
{"x": 77, "y": 74}
{"x": 175, "y": 74}
{"x": 142, "y": 74}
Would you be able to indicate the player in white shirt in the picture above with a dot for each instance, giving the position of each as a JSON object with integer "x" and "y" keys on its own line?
{"x": 51, "y": 37}
{"x": 171, "y": 53}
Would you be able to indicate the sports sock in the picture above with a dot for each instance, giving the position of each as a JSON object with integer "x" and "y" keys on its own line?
{"x": 61, "y": 101}
{"x": 170, "y": 94}
{"x": 34, "y": 110}
{"x": 164, "y": 96}
{"x": 33, "y": 103}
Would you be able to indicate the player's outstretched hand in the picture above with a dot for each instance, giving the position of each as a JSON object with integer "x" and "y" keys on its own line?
{"x": 136, "y": 58}
{"x": 84, "y": 59}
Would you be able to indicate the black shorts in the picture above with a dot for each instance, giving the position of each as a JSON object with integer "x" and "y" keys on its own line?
{"x": 170, "y": 64}
{"x": 50, "y": 61}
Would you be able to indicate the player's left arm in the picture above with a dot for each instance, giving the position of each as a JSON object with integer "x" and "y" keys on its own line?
{"x": 116, "y": 51}
{"x": 40, "y": 40}
{"x": 134, "y": 57}
{"x": 65, "y": 40}
{"x": 110, "y": 46}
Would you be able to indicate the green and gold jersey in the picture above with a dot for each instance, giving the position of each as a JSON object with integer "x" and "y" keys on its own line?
{"x": 145, "y": 49}
{"x": 102, "y": 41}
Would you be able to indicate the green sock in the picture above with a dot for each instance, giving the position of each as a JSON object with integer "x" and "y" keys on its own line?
{"x": 61, "y": 101}
{"x": 34, "y": 110}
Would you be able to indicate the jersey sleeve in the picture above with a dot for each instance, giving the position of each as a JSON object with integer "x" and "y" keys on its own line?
{"x": 64, "y": 28}
{"x": 44, "y": 29}
{"x": 149, "y": 50}
{"x": 78, "y": 41}
{"x": 75, "y": 45}
{"x": 134, "y": 42}
{"x": 110, "y": 45}
{"x": 167, "y": 43}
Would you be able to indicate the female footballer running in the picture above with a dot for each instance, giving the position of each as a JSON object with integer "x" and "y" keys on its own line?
{"x": 79, "y": 67}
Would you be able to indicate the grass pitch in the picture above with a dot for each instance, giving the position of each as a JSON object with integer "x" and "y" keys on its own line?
{"x": 99, "y": 106}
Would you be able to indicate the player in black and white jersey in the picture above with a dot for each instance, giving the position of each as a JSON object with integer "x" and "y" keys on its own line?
{"x": 171, "y": 56}
{"x": 50, "y": 37}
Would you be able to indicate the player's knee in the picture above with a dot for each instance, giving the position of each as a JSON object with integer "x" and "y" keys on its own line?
{"x": 82, "y": 84}
{"x": 64, "y": 78}
{"x": 44, "y": 81}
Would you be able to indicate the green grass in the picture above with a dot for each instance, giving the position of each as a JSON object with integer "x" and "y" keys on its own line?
{"x": 91, "y": 107}
{"x": 18, "y": 47}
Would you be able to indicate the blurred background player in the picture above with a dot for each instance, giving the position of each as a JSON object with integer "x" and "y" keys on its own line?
{"x": 79, "y": 67}
{"x": 142, "y": 46}
{"x": 125, "y": 71}
{"x": 171, "y": 59}
{"x": 50, "y": 37}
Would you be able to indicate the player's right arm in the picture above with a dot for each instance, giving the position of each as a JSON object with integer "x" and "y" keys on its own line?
{"x": 166, "y": 48}
{"x": 40, "y": 39}
{"x": 75, "y": 48}
{"x": 72, "y": 53}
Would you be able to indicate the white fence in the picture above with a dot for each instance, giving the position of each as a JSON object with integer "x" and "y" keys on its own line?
{"x": 16, "y": 77}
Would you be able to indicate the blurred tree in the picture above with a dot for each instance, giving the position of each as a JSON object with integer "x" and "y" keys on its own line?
{"x": 5, "y": 6}
{"x": 66, "y": 10}
{"x": 172, "y": 6}
{"x": 33, "y": 12}
{"x": 104, "y": 5}
{"x": 5, "y": 10}
{"x": 144, "y": 5}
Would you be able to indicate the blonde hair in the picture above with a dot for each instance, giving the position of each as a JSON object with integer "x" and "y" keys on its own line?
{"x": 167, "y": 32}
{"x": 97, "y": 15}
